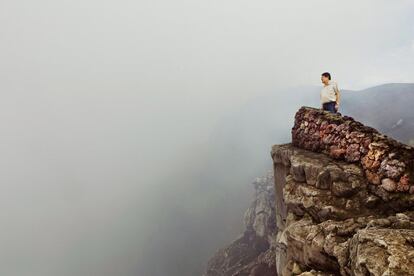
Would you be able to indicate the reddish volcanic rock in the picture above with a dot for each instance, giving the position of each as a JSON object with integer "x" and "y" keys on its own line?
{"x": 352, "y": 153}
{"x": 373, "y": 177}
{"x": 403, "y": 184}
{"x": 336, "y": 152}
{"x": 343, "y": 138}
{"x": 388, "y": 184}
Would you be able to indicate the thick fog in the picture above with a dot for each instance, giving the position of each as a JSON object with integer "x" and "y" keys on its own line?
{"x": 131, "y": 130}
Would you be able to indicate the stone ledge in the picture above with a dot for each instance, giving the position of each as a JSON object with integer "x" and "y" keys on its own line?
{"x": 326, "y": 188}
{"x": 385, "y": 161}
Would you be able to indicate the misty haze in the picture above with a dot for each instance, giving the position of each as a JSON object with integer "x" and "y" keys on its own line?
{"x": 132, "y": 130}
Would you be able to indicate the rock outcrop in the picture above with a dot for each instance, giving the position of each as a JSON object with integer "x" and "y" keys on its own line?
{"x": 333, "y": 222}
{"x": 253, "y": 253}
{"x": 343, "y": 205}
{"x": 385, "y": 161}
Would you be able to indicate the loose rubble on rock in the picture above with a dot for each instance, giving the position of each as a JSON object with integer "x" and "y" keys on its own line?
{"x": 385, "y": 161}
{"x": 343, "y": 205}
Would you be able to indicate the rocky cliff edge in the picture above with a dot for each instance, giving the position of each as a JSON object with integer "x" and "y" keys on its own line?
{"x": 339, "y": 202}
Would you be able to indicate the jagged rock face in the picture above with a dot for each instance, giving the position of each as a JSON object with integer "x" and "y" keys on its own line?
{"x": 342, "y": 204}
{"x": 334, "y": 223}
{"x": 251, "y": 254}
{"x": 385, "y": 161}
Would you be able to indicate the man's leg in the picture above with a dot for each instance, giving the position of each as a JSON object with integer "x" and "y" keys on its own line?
{"x": 331, "y": 107}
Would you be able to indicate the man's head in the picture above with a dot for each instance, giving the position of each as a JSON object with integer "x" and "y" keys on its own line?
{"x": 325, "y": 78}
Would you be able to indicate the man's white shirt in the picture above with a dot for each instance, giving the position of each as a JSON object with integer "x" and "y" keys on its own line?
{"x": 328, "y": 92}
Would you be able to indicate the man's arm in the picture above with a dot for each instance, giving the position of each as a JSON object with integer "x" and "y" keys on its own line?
{"x": 338, "y": 97}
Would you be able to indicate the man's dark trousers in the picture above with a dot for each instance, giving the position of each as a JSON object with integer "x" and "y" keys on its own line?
{"x": 330, "y": 106}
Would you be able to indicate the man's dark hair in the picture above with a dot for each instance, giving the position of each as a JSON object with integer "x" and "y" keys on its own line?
{"x": 326, "y": 74}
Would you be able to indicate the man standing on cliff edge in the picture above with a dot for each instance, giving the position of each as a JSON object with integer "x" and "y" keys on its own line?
{"x": 329, "y": 94}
